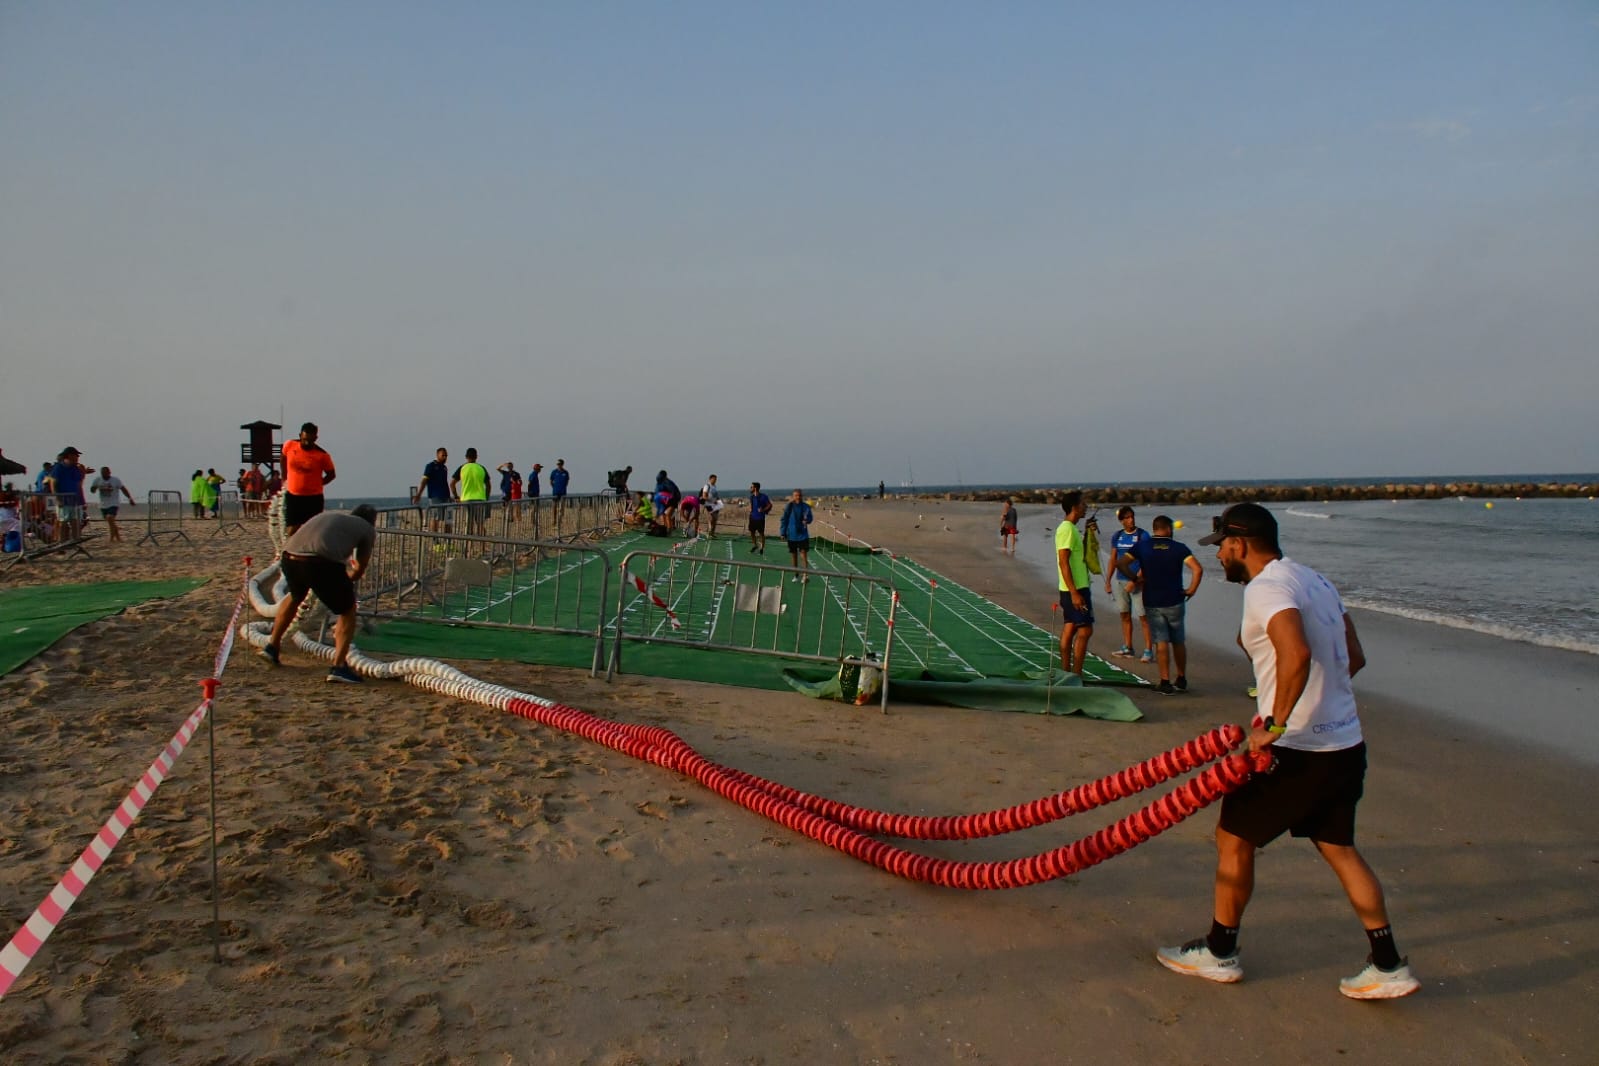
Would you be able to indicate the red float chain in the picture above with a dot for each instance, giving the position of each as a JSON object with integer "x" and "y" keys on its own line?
{"x": 664, "y": 748}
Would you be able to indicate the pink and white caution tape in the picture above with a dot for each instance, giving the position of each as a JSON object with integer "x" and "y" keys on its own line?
{"x": 22, "y": 947}
{"x": 671, "y": 615}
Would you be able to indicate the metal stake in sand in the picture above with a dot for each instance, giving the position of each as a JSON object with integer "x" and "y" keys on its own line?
{"x": 1049, "y": 684}
{"x": 932, "y": 587}
{"x": 209, "y": 687}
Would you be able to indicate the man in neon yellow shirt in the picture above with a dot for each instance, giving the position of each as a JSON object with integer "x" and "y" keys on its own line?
{"x": 471, "y": 487}
{"x": 1076, "y": 602}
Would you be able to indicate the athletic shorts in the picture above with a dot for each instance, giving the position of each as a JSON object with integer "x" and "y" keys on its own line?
{"x": 298, "y": 510}
{"x": 758, "y": 524}
{"x": 1310, "y": 794}
{"x": 1128, "y": 601}
{"x": 1074, "y": 617}
{"x": 1166, "y": 623}
{"x": 109, "y": 512}
{"x": 71, "y": 511}
{"x": 1007, "y": 531}
{"x": 328, "y": 579}
{"x": 800, "y": 545}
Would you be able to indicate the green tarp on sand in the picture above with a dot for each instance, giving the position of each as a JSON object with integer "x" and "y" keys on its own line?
{"x": 32, "y": 619}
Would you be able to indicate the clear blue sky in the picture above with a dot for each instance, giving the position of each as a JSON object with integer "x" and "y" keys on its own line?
{"x": 811, "y": 244}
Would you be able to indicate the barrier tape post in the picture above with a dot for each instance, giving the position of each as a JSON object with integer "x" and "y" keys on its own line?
{"x": 209, "y": 687}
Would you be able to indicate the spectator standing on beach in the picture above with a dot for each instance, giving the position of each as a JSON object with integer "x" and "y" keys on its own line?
{"x": 882, "y": 490}
{"x": 252, "y": 487}
{"x": 197, "y": 493}
{"x": 558, "y": 479}
{"x": 307, "y": 470}
{"x": 760, "y": 507}
{"x": 530, "y": 488}
{"x": 317, "y": 559}
{"x": 1159, "y": 565}
{"x": 65, "y": 480}
{"x": 510, "y": 488}
{"x": 471, "y": 486}
{"x": 1305, "y": 651}
{"x": 1076, "y": 602}
{"x": 108, "y": 486}
{"x": 711, "y": 501}
{"x": 435, "y": 487}
{"x": 1007, "y": 527}
{"x": 1128, "y": 544}
{"x": 795, "y": 525}
{"x": 213, "y": 491}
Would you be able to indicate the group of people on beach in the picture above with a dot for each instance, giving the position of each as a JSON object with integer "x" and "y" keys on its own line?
{"x": 55, "y": 511}
{"x": 466, "y": 489}
{"x": 1304, "y": 651}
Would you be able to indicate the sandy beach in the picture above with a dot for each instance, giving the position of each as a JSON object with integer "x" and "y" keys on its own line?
{"x": 410, "y": 878}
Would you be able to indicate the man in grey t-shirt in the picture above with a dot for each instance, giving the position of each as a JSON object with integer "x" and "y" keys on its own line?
{"x": 317, "y": 559}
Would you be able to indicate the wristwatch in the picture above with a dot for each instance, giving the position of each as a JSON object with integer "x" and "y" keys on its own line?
{"x": 1272, "y": 726}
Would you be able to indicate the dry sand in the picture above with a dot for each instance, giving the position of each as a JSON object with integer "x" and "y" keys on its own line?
{"x": 407, "y": 878}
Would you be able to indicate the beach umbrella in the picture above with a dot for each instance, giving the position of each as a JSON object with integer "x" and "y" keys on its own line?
{"x": 10, "y": 466}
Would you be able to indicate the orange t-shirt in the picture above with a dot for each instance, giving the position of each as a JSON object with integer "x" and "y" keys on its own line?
{"x": 303, "y": 469}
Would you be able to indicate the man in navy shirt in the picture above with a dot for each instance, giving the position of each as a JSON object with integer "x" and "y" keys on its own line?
{"x": 558, "y": 479}
{"x": 1126, "y": 545}
{"x": 435, "y": 484}
{"x": 760, "y": 507}
{"x": 1157, "y": 565}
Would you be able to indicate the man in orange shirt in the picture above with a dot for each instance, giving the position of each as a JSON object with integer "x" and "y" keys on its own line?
{"x": 306, "y": 469}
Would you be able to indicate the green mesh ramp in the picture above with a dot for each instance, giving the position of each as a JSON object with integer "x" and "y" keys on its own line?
{"x": 946, "y": 638}
{"x": 32, "y": 619}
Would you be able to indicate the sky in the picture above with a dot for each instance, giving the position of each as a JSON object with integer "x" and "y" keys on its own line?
{"x": 810, "y": 244}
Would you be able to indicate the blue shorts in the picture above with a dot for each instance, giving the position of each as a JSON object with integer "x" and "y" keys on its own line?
{"x": 1074, "y": 617}
{"x": 1166, "y": 623}
{"x": 108, "y": 512}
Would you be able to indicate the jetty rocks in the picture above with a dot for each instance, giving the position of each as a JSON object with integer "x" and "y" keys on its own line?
{"x": 1223, "y": 494}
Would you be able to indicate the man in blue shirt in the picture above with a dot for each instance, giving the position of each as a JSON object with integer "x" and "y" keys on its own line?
{"x": 1126, "y": 545}
{"x": 760, "y": 507}
{"x": 1158, "y": 566}
{"x": 797, "y": 516}
{"x": 558, "y": 479}
{"x": 531, "y": 490}
{"x": 435, "y": 484}
{"x": 66, "y": 481}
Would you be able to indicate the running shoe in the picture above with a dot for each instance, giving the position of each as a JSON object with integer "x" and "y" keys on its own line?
{"x": 1182, "y": 683}
{"x": 1147, "y": 657}
{"x": 1252, "y": 692}
{"x": 343, "y": 675}
{"x": 1374, "y": 983}
{"x": 1123, "y": 652}
{"x": 270, "y": 654}
{"x": 1165, "y": 688}
{"x": 1194, "y": 959}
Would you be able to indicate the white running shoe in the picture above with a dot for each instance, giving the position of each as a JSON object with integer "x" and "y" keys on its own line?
{"x": 1196, "y": 960}
{"x": 1373, "y": 983}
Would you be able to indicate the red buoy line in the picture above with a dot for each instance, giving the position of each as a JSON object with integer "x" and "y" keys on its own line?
{"x": 850, "y": 829}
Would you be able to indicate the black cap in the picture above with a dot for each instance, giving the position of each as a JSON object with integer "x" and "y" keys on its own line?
{"x": 1243, "y": 520}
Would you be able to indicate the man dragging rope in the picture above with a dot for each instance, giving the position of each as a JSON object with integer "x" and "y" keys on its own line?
{"x": 1305, "y": 651}
{"x": 317, "y": 559}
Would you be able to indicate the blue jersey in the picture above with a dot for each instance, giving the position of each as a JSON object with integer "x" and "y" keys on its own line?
{"x": 796, "y": 516}
{"x": 1130, "y": 545}
{"x": 760, "y": 503}
{"x": 69, "y": 480}
{"x": 532, "y": 487}
{"x": 1163, "y": 561}
{"x": 437, "y": 476}
{"x": 558, "y": 479}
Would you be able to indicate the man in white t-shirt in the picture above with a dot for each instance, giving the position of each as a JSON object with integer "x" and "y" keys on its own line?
{"x": 108, "y": 485}
{"x": 1305, "y": 651}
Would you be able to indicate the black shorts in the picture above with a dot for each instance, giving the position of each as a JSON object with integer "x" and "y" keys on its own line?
{"x": 1310, "y": 794}
{"x": 298, "y": 510}
{"x": 800, "y": 545}
{"x": 758, "y": 524}
{"x": 1071, "y": 615}
{"x": 328, "y": 579}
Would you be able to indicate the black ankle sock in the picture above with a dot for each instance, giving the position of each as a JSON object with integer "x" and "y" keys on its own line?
{"x": 1221, "y": 940}
{"x": 1384, "y": 952}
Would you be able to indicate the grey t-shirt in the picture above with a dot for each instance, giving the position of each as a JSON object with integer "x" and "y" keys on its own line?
{"x": 332, "y": 535}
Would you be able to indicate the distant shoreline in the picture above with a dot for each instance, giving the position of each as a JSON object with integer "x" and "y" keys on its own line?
{"x": 1283, "y": 492}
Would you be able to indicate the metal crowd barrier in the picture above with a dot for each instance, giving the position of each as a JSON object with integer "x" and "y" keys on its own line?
{"x": 756, "y": 608}
{"x": 230, "y": 514}
{"x": 541, "y": 518}
{"x": 46, "y": 522}
{"x": 493, "y": 582}
{"x": 164, "y": 515}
